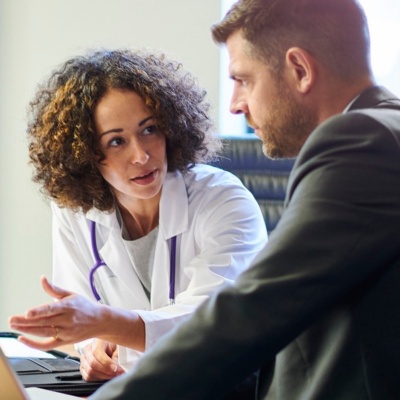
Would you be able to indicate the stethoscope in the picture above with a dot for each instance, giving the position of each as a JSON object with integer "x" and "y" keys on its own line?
{"x": 100, "y": 263}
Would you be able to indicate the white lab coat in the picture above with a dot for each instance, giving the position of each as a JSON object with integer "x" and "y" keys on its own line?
{"x": 219, "y": 229}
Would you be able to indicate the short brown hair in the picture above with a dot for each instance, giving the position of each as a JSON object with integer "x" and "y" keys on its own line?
{"x": 333, "y": 31}
{"x": 62, "y": 142}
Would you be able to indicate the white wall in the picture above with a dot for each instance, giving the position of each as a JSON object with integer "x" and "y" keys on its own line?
{"x": 37, "y": 35}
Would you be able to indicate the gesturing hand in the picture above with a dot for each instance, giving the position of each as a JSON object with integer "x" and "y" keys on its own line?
{"x": 70, "y": 319}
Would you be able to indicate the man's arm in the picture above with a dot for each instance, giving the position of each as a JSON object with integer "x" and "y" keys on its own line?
{"x": 339, "y": 229}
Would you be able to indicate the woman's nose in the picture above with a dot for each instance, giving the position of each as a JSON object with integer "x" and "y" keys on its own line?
{"x": 139, "y": 153}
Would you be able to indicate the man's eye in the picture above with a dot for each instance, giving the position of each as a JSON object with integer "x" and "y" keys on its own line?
{"x": 239, "y": 83}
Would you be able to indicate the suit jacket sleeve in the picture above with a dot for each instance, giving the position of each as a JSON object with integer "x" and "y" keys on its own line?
{"x": 337, "y": 233}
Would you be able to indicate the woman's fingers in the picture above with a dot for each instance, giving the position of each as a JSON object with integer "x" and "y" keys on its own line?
{"x": 50, "y": 309}
{"x": 53, "y": 290}
{"x": 70, "y": 319}
{"x": 46, "y": 344}
{"x": 40, "y": 326}
{"x": 41, "y": 330}
{"x": 97, "y": 361}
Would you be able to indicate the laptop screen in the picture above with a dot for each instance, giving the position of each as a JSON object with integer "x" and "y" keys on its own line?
{"x": 10, "y": 388}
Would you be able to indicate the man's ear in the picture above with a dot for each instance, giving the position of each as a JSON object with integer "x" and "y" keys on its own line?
{"x": 301, "y": 66}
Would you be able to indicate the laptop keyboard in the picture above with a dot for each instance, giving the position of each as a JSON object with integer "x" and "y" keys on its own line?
{"x": 25, "y": 366}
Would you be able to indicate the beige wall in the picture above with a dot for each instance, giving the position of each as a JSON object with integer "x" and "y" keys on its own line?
{"x": 37, "y": 35}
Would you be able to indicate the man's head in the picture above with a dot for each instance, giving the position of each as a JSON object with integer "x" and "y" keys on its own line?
{"x": 286, "y": 57}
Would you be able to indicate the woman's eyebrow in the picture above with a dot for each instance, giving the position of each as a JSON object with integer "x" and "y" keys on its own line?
{"x": 145, "y": 120}
{"x": 119, "y": 130}
{"x": 114, "y": 130}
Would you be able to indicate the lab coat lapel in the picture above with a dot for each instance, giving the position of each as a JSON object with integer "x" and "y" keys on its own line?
{"x": 112, "y": 251}
{"x": 174, "y": 206}
{"x": 174, "y": 217}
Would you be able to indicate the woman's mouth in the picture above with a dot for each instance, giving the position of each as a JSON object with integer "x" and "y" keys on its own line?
{"x": 146, "y": 178}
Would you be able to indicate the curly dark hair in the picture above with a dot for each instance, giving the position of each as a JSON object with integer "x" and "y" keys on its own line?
{"x": 62, "y": 142}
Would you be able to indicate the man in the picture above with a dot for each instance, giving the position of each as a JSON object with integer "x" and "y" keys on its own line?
{"x": 318, "y": 313}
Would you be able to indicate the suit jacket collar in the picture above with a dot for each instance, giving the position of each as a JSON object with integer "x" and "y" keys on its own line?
{"x": 375, "y": 97}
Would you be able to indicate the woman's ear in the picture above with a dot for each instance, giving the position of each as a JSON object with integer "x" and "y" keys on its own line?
{"x": 301, "y": 66}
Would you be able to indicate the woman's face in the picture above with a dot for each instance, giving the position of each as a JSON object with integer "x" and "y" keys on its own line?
{"x": 135, "y": 162}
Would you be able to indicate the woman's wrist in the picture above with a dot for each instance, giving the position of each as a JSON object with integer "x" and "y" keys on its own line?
{"x": 122, "y": 327}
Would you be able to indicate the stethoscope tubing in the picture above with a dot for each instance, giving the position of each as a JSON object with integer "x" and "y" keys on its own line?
{"x": 172, "y": 267}
{"x": 98, "y": 262}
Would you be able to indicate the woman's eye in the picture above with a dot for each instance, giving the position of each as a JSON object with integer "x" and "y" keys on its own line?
{"x": 150, "y": 129}
{"x": 116, "y": 142}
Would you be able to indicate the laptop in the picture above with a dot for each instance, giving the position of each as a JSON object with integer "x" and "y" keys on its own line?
{"x": 11, "y": 387}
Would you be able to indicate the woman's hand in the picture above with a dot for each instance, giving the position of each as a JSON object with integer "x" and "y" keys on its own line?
{"x": 71, "y": 319}
{"x": 99, "y": 361}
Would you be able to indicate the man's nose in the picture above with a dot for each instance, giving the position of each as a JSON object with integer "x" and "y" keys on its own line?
{"x": 238, "y": 104}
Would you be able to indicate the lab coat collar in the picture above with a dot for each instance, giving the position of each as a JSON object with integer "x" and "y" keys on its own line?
{"x": 174, "y": 208}
{"x": 102, "y": 218}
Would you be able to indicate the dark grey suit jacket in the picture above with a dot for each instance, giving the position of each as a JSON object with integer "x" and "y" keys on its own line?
{"x": 318, "y": 312}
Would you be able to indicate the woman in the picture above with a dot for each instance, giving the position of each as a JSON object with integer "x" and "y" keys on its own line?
{"x": 119, "y": 141}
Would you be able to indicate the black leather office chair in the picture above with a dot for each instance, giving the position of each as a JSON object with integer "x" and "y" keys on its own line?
{"x": 265, "y": 178}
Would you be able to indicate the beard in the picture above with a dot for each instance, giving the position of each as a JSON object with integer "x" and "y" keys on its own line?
{"x": 286, "y": 127}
